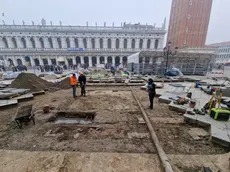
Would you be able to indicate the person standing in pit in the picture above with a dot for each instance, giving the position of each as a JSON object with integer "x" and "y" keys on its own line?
{"x": 73, "y": 83}
{"x": 82, "y": 81}
{"x": 152, "y": 92}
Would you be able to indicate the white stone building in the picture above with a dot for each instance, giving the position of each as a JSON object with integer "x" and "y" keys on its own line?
{"x": 34, "y": 45}
{"x": 222, "y": 52}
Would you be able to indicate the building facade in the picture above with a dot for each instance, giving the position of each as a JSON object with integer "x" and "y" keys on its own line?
{"x": 189, "y": 20}
{"x": 222, "y": 52}
{"x": 34, "y": 45}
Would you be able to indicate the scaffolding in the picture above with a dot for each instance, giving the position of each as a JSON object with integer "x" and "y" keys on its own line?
{"x": 155, "y": 63}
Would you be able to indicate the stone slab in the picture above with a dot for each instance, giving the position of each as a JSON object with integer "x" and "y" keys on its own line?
{"x": 219, "y": 130}
{"x": 4, "y": 103}
{"x": 38, "y": 92}
{"x": 197, "y": 133}
{"x": 24, "y": 97}
{"x": 177, "y": 108}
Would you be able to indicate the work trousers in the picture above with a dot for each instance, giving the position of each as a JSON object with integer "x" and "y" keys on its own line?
{"x": 74, "y": 90}
{"x": 83, "y": 90}
{"x": 151, "y": 98}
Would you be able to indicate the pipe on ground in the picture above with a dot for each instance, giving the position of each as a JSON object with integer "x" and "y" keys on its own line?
{"x": 162, "y": 155}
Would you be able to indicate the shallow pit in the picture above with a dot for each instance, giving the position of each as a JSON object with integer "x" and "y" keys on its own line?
{"x": 80, "y": 117}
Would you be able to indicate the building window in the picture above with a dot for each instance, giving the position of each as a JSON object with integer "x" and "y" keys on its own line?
{"x": 186, "y": 30}
{"x": 184, "y": 42}
{"x": 190, "y": 3}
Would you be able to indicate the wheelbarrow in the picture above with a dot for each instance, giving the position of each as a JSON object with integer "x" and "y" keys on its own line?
{"x": 24, "y": 115}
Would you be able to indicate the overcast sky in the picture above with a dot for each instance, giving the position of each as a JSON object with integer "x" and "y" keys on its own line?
{"x": 77, "y": 12}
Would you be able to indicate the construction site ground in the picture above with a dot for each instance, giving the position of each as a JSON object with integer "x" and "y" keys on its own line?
{"x": 115, "y": 141}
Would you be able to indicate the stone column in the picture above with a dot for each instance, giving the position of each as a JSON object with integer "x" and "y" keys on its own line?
{"x": 23, "y": 61}
{"x": 98, "y": 60}
{"x": 89, "y": 44}
{"x": 106, "y": 59}
{"x": 113, "y": 40}
{"x": 80, "y": 42}
{"x": 137, "y": 42}
{"x": 72, "y": 43}
{"x": 145, "y": 43}
{"x": 90, "y": 61}
{"x": 32, "y": 61}
{"x": 129, "y": 43}
{"x": 18, "y": 42}
{"x": 46, "y": 42}
{"x": 121, "y": 40}
{"x": 10, "y": 42}
{"x": 28, "y": 42}
{"x": 2, "y": 43}
{"x": 74, "y": 61}
{"x": 41, "y": 61}
{"x": 105, "y": 43}
{"x": 152, "y": 45}
{"x": 14, "y": 60}
{"x": 55, "y": 43}
{"x": 82, "y": 60}
{"x": 113, "y": 60}
{"x": 97, "y": 43}
{"x": 37, "y": 42}
{"x": 66, "y": 61}
{"x": 63, "y": 42}
{"x": 49, "y": 61}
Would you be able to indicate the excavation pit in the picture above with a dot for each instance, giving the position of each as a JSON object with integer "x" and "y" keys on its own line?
{"x": 84, "y": 118}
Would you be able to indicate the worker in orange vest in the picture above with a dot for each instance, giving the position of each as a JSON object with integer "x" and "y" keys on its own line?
{"x": 73, "y": 83}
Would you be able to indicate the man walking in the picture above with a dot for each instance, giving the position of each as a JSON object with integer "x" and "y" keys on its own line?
{"x": 73, "y": 83}
{"x": 152, "y": 92}
{"x": 82, "y": 81}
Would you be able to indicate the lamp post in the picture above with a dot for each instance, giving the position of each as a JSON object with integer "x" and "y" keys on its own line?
{"x": 167, "y": 52}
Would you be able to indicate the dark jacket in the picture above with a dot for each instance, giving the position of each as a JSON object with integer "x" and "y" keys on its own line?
{"x": 82, "y": 79}
{"x": 152, "y": 88}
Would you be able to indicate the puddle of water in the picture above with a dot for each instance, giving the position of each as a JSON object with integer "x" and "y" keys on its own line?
{"x": 72, "y": 121}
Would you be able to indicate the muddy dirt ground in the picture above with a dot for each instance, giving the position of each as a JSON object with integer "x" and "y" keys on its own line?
{"x": 117, "y": 115}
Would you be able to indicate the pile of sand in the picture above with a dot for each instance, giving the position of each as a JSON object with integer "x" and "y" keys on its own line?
{"x": 64, "y": 84}
{"x": 30, "y": 81}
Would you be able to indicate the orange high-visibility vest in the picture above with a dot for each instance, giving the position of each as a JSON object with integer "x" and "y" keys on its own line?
{"x": 73, "y": 80}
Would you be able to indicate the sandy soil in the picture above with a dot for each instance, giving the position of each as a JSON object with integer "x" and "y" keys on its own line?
{"x": 116, "y": 116}
{"x": 25, "y": 161}
{"x": 173, "y": 132}
{"x": 100, "y": 146}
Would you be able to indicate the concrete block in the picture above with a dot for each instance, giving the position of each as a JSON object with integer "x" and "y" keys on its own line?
{"x": 4, "y": 103}
{"x": 24, "y": 97}
{"x": 198, "y": 133}
{"x": 164, "y": 99}
{"x": 177, "y": 108}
